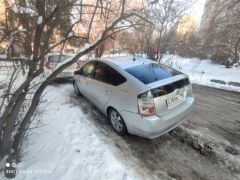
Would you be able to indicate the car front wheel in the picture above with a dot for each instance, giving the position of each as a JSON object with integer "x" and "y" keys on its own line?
{"x": 76, "y": 90}
{"x": 117, "y": 122}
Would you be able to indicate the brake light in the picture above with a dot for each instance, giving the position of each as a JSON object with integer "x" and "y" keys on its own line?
{"x": 47, "y": 65}
{"x": 146, "y": 104}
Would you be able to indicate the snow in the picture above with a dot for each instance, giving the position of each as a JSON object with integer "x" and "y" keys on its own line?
{"x": 67, "y": 146}
{"x": 2, "y": 27}
{"x": 86, "y": 46}
{"x": 111, "y": 24}
{"x": 3, "y": 56}
{"x": 121, "y": 54}
{"x": 219, "y": 147}
{"x": 70, "y": 34}
{"x": 203, "y": 71}
{"x": 22, "y": 29}
{"x": 40, "y": 20}
{"x": 23, "y": 10}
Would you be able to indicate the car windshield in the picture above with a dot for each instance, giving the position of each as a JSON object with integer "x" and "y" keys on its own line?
{"x": 58, "y": 58}
{"x": 149, "y": 73}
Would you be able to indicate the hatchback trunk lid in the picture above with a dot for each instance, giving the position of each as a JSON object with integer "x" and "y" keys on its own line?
{"x": 168, "y": 86}
{"x": 170, "y": 93}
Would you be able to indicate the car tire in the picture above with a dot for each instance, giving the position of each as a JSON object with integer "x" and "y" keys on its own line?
{"x": 117, "y": 122}
{"x": 76, "y": 90}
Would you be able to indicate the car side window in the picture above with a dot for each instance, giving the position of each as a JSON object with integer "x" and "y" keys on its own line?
{"x": 106, "y": 74}
{"x": 88, "y": 69}
{"x": 117, "y": 78}
{"x": 102, "y": 73}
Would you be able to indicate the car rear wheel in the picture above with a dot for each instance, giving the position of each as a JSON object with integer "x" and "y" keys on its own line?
{"x": 76, "y": 90}
{"x": 117, "y": 122}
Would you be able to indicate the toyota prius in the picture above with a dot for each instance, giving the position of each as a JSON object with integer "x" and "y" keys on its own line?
{"x": 139, "y": 96}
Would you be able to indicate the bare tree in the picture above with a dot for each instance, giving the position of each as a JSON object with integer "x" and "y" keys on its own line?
{"x": 220, "y": 31}
{"x": 132, "y": 41}
{"x": 164, "y": 15}
{"x": 38, "y": 27}
{"x": 184, "y": 39}
{"x": 153, "y": 39}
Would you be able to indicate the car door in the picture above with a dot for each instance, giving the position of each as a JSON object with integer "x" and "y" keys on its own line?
{"x": 84, "y": 79}
{"x": 102, "y": 84}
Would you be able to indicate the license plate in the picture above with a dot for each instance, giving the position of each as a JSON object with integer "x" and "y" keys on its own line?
{"x": 176, "y": 100}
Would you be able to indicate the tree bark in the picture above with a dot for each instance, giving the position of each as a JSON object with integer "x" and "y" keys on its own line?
{"x": 236, "y": 55}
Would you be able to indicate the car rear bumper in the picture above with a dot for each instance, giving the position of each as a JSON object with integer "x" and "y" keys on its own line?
{"x": 66, "y": 74}
{"x": 154, "y": 126}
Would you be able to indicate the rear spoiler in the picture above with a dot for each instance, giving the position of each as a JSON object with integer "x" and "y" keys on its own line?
{"x": 167, "y": 81}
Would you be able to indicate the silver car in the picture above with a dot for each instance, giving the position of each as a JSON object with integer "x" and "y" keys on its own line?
{"x": 140, "y": 96}
{"x": 53, "y": 59}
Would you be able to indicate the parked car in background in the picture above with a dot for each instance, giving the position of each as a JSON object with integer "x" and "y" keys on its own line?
{"x": 141, "y": 97}
{"x": 53, "y": 59}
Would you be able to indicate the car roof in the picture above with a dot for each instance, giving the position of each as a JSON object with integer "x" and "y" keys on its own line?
{"x": 127, "y": 61}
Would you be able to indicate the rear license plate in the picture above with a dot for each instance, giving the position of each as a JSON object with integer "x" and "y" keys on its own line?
{"x": 176, "y": 100}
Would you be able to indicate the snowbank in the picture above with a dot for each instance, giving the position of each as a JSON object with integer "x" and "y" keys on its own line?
{"x": 203, "y": 71}
{"x": 67, "y": 145}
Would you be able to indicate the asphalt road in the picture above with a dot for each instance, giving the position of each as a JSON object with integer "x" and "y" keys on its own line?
{"x": 206, "y": 146}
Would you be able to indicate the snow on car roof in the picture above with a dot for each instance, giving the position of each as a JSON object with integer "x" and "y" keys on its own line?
{"x": 127, "y": 61}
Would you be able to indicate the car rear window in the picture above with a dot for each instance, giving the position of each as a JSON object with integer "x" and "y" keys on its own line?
{"x": 149, "y": 73}
{"x": 58, "y": 58}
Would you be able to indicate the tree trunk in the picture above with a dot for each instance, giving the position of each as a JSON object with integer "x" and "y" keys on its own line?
{"x": 35, "y": 101}
{"x": 236, "y": 55}
{"x": 99, "y": 51}
{"x": 10, "y": 120}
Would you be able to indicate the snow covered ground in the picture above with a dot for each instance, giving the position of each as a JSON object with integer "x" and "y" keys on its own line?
{"x": 70, "y": 143}
{"x": 203, "y": 71}
{"x": 67, "y": 146}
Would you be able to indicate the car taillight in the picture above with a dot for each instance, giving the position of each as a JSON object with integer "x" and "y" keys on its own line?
{"x": 146, "y": 104}
{"x": 78, "y": 65}
{"x": 47, "y": 65}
